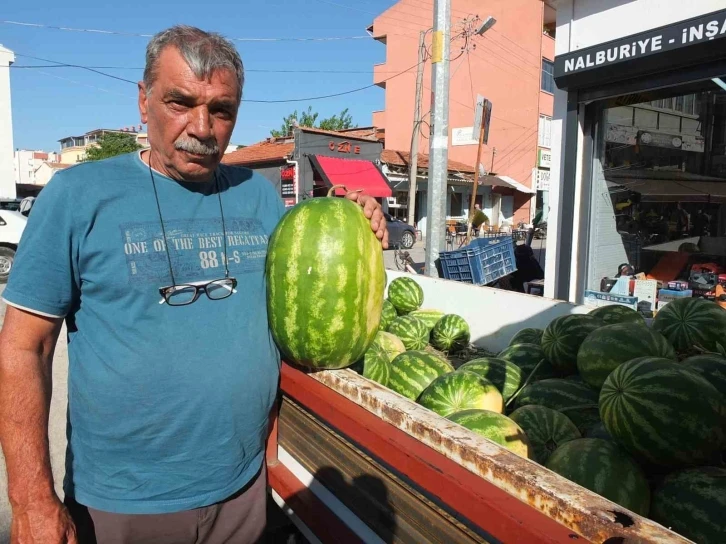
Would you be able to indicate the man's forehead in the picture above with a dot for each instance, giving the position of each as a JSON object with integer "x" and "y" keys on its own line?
{"x": 174, "y": 74}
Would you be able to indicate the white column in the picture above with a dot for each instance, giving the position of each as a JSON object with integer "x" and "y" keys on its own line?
{"x": 7, "y": 162}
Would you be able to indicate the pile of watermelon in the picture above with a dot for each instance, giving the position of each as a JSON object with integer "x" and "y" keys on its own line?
{"x": 632, "y": 411}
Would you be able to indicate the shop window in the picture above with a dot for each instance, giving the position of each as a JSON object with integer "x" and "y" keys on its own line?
{"x": 545, "y": 131}
{"x": 548, "y": 80}
{"x": 659, "y": 189}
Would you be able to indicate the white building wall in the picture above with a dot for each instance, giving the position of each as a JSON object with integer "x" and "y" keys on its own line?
{"x": 7, "y": 166}
{"x": 585, "y": 23}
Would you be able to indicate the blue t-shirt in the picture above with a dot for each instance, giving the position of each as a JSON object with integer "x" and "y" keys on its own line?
{"x": 168, "y": 406}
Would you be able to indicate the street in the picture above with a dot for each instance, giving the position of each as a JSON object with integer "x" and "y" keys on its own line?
{"x": 57, "y": 428}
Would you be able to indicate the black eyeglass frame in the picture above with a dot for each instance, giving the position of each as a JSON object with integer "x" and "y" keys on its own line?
{"x": 167, "y": 292}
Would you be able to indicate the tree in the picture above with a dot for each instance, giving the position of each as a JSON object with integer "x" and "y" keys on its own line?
{"x": 308, "y": 119}
{"x": 111, "y": 144}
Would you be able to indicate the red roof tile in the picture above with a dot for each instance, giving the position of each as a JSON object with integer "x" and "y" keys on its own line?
{"x": 401, "y": 158}
{"x": 267, "y": 151}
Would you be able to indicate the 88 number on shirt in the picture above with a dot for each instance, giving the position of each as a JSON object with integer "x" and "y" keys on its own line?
{"x": 212, "y": 259}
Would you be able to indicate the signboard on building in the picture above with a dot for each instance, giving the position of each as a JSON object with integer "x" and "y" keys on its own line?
{"x": 462, "y": 136}
{"x": 482, "y": 118}
{"x": 287, "y": 185}
{"x": 542, "y": 180}
{"x": 544, "y": 158}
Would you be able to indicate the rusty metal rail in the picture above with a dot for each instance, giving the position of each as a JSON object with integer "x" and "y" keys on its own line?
{"x": 584, "y": 513}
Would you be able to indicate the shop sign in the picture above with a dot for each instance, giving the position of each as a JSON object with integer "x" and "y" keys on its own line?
{"x": 542, "y": 180}
{"x": 462, "y": 136}
{"x": 661, "y": 40}
{"x": 287, "y": 185}
{"x": 686, "y": 142}
{"x": 544, "y": 158}
{"x": 344, "y": 147}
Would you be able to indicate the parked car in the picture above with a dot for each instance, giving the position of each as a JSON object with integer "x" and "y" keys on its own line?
{"x": 400, "y": 233}
{"x": 12, "y": 225}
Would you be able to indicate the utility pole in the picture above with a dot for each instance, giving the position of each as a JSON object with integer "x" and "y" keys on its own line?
{"x": 439, "y": 140}
{"x": 413, "y": 156}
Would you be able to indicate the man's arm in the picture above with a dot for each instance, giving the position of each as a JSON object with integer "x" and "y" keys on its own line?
{"x": 27, "y": 344}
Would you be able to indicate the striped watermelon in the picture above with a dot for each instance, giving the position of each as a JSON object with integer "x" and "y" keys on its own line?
{"x": 527, "y": 336}
{"x": 527, "y": 357}
{"x": 388, "y": 314}
{"x": 496, "y": 427}
{"x": 576, "y": 400}
{"x": 711, "y": 367}
{"x": 693, "y": 502}
{"x": 325, "y": 283}
{"x": 689, "y": 322}
{"x": 545, "y": 428}
{"x": 612, "y": 345}
{"x": 663, "y": 413}
{"x": 428, "y": 316}
{"x": 505, "y": 375}
{"x": 376, "y": 365}
{"x": 405, "y": 294}
{"x": 413, "y": 371}
{"x": 451, "y": 333}
{"x": 562, "y": 338}
{"x": 617, "y": 313}
{"x": 601, "y": 466}
{"x": 412, "y": 331}
{"x": 457, "y": 391}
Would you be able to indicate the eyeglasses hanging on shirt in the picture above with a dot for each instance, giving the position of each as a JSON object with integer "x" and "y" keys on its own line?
{"x": 184, "y": 294}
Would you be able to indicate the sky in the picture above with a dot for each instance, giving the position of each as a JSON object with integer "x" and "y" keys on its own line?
{"x": 51, "y": 103}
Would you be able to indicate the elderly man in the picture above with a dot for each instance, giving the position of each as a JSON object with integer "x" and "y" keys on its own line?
{"x": 155, "y": 260}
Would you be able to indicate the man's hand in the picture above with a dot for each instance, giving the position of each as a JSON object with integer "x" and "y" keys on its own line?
{"x": 372, "y": 210}
{"x": 41, "y": 522}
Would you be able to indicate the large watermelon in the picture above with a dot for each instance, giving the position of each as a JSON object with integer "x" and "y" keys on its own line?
{"x": 505, "y": 375}
{"x": 413, "y": 371}
{"x": 545, "y": 428}
{"x": 496, "y": 427}
{"x": 608, "y": 347}
{"x": 664, "y": 413}
{"x": 527, "y": 336}
{"x": 693, "y": 503}
{"x": 527, "y": 357}
{"x": 693, "y": 322}
{"x": 388, "y": 314}
{"x": 451, "y": 333}
{"x": 405, "y": 294}
{"x": 576, "y": 400}
{"x": 457, "y": 391}
{"x": 617, "y": 313}
{"x": 601, "y": 466}
{"x": 412, "y": 331}
{"x": 325, "y": 283}
{"x": 563, "y": 337}
{"x": 711, "y": 367}
{"x": 428, "y": 316}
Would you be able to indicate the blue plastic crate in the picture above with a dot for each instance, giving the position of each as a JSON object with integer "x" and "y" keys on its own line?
{"x": 483, "y": 261}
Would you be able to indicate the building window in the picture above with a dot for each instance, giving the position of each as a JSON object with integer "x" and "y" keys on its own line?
{"x": 548, "y": 80}
{"x": 545, "y": 131}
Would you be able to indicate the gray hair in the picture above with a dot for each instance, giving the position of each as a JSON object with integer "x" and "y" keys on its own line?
{"x": 204, "y": 52}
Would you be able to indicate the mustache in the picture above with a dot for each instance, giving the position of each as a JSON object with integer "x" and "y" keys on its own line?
{"x": 198, "y": 147}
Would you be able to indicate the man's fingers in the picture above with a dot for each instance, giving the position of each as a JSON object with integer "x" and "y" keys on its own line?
{"x": 384, "y": 241}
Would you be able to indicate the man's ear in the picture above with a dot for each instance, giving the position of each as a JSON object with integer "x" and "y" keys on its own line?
{"x": 143, "y": 103}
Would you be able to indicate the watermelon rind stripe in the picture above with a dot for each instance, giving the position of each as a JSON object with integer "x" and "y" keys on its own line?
{"x": 414, "y": 370}
{"x": 461, "y": 390}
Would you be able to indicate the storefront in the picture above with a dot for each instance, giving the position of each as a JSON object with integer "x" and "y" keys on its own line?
{"x": 310, "y": 161}
{"x": 638, "y": 174}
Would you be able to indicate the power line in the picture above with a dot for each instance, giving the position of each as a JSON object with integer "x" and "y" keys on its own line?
{"x": 266, "y": 101}
{"x": 270, "y": 71}
{"x": 141, "y": 35}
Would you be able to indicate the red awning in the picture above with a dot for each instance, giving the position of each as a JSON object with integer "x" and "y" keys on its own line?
{"x": 355, "y": 174}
